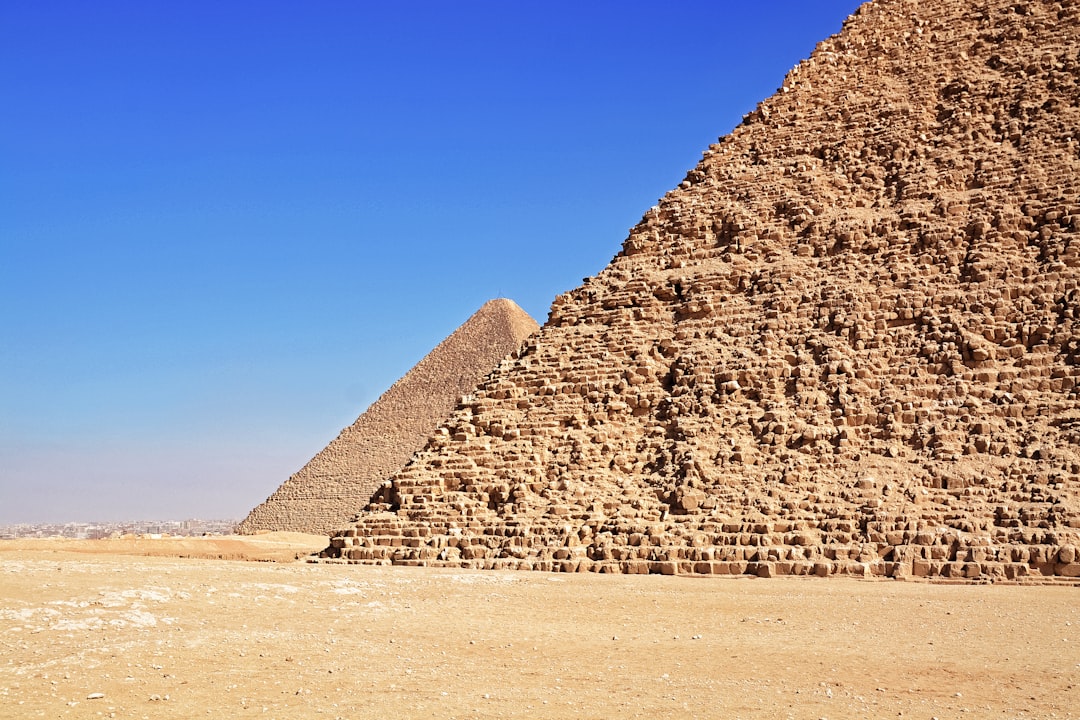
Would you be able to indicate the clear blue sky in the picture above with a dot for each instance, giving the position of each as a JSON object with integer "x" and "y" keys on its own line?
{"x": 227, "y": 227}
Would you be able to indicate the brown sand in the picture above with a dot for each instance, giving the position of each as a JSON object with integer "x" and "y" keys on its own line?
{"x": 172, "y": 637}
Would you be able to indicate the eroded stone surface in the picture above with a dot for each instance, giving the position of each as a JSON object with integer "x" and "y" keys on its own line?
{"x": 338, "y": 482}
{"x": 847, "y": 343}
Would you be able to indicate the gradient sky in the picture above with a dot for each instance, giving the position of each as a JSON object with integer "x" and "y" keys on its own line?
{"x": 227, "y": 227}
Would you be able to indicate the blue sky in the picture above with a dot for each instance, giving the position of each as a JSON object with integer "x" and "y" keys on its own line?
{"x": 227, "y": 227}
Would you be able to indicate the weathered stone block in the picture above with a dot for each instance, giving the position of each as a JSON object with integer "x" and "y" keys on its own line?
{"x": 1070, "y": 570}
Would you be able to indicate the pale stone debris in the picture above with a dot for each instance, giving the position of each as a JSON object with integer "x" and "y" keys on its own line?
{"x": 338, "y": 482}
{"x": 847, "y": 343}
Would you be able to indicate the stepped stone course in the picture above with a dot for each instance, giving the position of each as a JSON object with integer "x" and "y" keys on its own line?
{"x": 338, "y": 482}
{"x": 847, "y": 343}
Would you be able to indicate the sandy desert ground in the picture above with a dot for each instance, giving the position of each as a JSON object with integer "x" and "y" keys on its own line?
{"x": 131, "y": 629}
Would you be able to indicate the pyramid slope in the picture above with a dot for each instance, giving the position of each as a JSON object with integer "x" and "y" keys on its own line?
{"x": 846, "y": 343}
{"x": 339, "y": 481}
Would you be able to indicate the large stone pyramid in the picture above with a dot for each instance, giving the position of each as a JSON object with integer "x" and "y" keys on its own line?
{"x": 339, "y": 481}
{"x": 847, "y": 343}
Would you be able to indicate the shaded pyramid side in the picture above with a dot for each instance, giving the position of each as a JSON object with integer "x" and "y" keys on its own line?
{"x": 338, "y": 482}
{"x": 848, "y": 342}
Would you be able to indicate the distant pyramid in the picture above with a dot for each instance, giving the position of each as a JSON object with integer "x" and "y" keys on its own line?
{"x": 335, "y": 484}
{"x": 848, "y": 342}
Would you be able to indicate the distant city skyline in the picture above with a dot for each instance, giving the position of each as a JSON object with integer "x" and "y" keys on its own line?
{"x": 226, "y": 228}
{"x": 96, "y": 530}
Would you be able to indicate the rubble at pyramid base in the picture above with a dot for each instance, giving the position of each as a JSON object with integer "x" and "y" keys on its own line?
{"x": 884, "y": 542}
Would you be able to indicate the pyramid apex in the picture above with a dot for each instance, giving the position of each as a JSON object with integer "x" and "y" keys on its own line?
{"x": 338, "y": 482}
